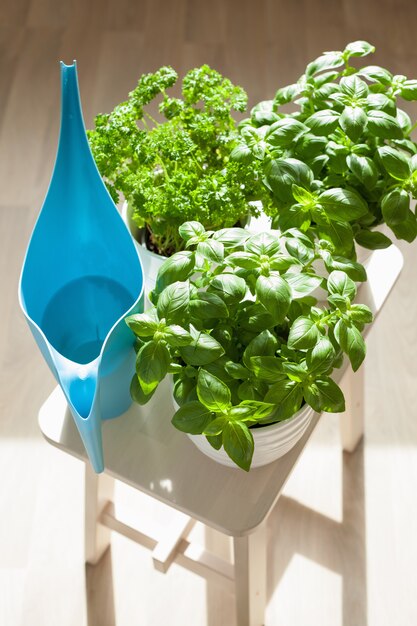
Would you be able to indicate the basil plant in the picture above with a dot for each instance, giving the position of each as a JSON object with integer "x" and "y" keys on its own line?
{"x": 234, "y": 321}
{"x": 343, "y": 161}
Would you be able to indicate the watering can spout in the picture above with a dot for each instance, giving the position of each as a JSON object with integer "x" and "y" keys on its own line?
{"x": 79, "y": 383}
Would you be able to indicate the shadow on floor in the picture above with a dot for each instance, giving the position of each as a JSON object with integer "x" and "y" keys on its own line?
{"x": 337, "y": 546}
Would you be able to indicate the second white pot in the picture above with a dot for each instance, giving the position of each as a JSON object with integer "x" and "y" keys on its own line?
{"x": 271, "y": 442}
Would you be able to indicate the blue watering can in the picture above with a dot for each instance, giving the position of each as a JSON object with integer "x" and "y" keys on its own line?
{"x": 80, "y": 278}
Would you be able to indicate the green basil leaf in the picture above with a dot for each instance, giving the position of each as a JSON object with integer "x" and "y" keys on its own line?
{"x": 299, "y": 250}
{"x": 321, "y": 358}
{"x": 351, "y": 341}
{"x": 302, "y": 284}
{"x": 208, "y": 306}
{"x": 364, "y": 169}
{"x": 231, "y": 237}
{"x": 254, "y": 318}
{"x": 294, "y": 216}
{"x": 229, "y": 287}
{"x": 340, "y": 234}
{"x": 263, "y": 243}
{"x": 395, "y": 206}
{"x": 281, "y": 174}
{"x": 343, "y": 204}
{"x": 287, "y": 94}
{"x": 216, "y": 427}
{"x": 173, "y": 302}
{"x": 248, "y": 391}
{"x": 238, "y": 444}
{"x": 142, "y": 325}
{"x": 326, "y": 61}
{"x": 204, "y": 349}
{"x": 246, "y": 260}
{"x": 304, "y": 197}
{"x": 372, "y": 240}
{"x": 177, "y": 336}
{"x": 192, "y": 418}
{"x": 137, "y": 392}
{"x": 242, "y": 154}
{"x": 354, "y": 270}
{"x": 265, "y": 344}
{"x": 309, "y": 146}
{"x": 268, "y": 369}
{"x": 353, "y": 121}
{"x": 383, "y": 125}
{"x": 259, "y": 410}
{"x": 182, "y": 390}
{"x": 395, "y": 162}
{"x": 263, "y": 113}
{"x": 237, "y": 371}
{"x": 275, "y": 295}
{"x": 218, "y": 368}
{"x": 212, "y": 392}
{"x": 216, "y": 441}
{"x": 295, "y": 371}
{"x": 353, "y": 87}
{"x": 325, "y": 395}
{"x": 407, "y": 230}
{"x": 212, "y": 250}
{"x": 287, "y": 395}
{"x": 303, "y": 334}
{"x": 409, "y": 90}
{"x": 376, "y": 74}
{"x": 152, "y": 363}
{"x": 323, "y": 122}
{"x": 284, "y": 132}
{"x": 382, "y": 102}
{"x": 178, "y": 267}
{"x": 339, "y": 283}
{"x": 358, "y": 49}
{"x": 191, "y": 229}
{"x": 360, "y": 313}
{"x": 405, "y": 122}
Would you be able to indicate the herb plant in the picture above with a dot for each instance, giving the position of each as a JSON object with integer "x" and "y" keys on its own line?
{"x": 178, "y": 169}
{"x": 235, "y": 323}
{"x": 343, "y": 162}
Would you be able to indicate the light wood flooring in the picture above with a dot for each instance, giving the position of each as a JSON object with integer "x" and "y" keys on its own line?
{"x": 343, "y": 541}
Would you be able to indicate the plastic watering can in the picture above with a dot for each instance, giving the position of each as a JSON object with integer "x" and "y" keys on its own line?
{"x": 80, "y": 278}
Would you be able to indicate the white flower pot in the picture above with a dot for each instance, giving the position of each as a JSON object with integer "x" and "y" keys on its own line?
{"x": 271, "y": 442}
{"x": 151, "y": 262}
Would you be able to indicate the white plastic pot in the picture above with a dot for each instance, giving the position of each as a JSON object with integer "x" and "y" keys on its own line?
{"x": 151, "y": 262}
{"x": 271, "y": 442}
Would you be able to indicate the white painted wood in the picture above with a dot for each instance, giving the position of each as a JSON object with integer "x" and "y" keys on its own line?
{"x": 192, "y": 556}
{"x": 250, "y": 577}
{"x": 165, "y": 551}
{"x": 99, "y": 490}
{"x": 109, "y": 520}
{"x": 352, "y": 420}
{"x": 202, "y": 562}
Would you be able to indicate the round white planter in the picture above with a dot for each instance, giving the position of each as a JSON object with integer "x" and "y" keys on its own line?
{"x": 271, "y": 442}
{"x": 151, "y": 262}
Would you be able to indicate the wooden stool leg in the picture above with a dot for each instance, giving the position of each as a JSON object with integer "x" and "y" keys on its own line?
{"x": 98, "y": 491}
{"x": 250, "y": 577}
{"x": 352, "y": 420}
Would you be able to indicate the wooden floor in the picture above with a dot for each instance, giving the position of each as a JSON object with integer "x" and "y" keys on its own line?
{"x": 343, "y": 541}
